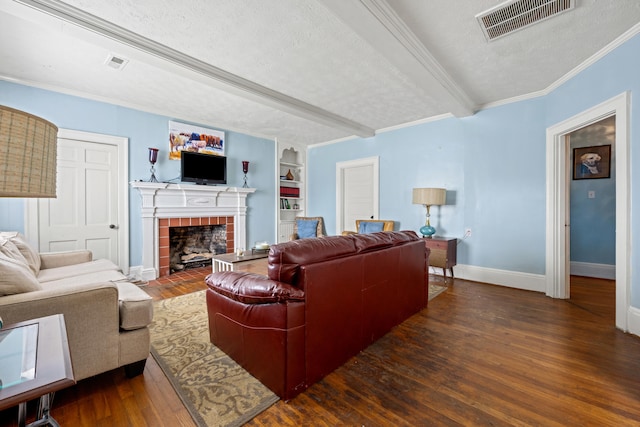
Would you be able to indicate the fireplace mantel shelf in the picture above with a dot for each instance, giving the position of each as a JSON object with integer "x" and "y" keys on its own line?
{"x": 178, "y": 187}
{"x": 164, "y": 200}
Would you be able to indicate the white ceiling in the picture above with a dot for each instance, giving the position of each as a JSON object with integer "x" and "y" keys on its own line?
{"x": 302, "y": 71}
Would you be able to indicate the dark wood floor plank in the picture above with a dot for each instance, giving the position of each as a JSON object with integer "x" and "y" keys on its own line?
{"x": 479, "y": 355}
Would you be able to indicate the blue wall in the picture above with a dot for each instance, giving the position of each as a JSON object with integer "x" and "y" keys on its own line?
{"x": 147, "y": 130}
{"x": 492, "y": 164}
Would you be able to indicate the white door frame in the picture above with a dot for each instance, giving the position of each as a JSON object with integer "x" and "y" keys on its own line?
{"x": 340, "y": 168}
{"x": 558, "y": 176}
{"x": 32, "y": 230}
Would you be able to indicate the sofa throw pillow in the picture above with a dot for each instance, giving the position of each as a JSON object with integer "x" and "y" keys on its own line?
{"x": 30, "y": 255}
{"x": 15, "y": 275}
{"x": 307, "y": 228}
{"x": 370, "y": 227}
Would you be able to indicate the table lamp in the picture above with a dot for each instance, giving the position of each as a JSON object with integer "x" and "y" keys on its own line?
{"x": 28, "y": 155}
{"x": 429, "y": 197}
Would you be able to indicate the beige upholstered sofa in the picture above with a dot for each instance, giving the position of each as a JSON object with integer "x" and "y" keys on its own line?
{"x": 107, "y": 317}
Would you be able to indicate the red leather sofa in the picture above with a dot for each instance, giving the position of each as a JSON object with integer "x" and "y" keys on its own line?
{"x": 324, "y": 300}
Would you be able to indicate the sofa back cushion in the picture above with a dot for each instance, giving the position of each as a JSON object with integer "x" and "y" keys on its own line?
{"x": 285, "y": 259}
{"x": 376, "y": 241}
{"x": 31, "y": 256}
{"x": 15, "y": 275}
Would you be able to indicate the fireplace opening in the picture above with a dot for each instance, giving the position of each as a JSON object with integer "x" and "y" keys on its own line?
{"x": 194, "y": 246}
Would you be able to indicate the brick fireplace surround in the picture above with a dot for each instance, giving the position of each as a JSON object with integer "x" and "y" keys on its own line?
{"x": 164, "y": 224}
{"x": 172, "y": 205}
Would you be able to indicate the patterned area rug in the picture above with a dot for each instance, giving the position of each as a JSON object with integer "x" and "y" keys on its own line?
{"x": 435, "y": 290}
{"x": 215, "y": 389}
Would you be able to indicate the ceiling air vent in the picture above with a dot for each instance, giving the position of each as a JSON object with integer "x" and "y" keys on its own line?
{"x": 514, "y": 15}
{"x": 116, "y": 62}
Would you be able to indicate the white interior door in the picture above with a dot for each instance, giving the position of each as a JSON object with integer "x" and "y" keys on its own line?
{"x": 90, "y": 210}
{"x": 357, "y": 192}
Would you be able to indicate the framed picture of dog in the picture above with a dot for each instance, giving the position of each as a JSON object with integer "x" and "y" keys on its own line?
{"x": 592, "y": 162}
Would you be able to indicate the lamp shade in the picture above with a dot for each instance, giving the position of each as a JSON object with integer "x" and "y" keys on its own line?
{"x": 28, "y": 155}
{"x": 429, "y": 196}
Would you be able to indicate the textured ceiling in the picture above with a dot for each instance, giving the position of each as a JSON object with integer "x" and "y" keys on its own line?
{"x": 302, "y": 71}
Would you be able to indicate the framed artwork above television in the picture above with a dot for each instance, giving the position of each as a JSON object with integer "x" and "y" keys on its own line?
{"x": 196, "y": 139}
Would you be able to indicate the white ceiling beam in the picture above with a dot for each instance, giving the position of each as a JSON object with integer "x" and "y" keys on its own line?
{"x": 216, "y": 77}
{"x": 378, "y": 24}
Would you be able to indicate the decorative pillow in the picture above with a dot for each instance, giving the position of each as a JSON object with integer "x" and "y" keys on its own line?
{"x": 307, "y": 228}
{"x": 15, "y": 275}
{"x": 370, "y": 227}
{"x": 30, "y": 255}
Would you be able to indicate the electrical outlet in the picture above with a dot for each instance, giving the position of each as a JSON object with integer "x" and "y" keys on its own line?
{"x": 467, "y": 232}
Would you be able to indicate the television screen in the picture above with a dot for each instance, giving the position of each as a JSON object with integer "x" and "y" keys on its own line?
{"x": 203, "y": 168}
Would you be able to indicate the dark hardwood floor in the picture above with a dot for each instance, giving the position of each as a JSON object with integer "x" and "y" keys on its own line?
{"x": 479, "y": 355}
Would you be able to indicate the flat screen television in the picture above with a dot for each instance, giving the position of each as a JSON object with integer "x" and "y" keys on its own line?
{"x": 203, "y": 168}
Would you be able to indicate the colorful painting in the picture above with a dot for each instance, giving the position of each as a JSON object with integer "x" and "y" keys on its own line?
{"x": 184, "y": 137}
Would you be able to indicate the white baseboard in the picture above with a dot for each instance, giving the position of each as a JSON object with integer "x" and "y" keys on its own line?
{"x": 146, "y": 274}
{"x": 588, "y": 269}
{"x": 511, "y": 279}
{"x": 633, "y": 321}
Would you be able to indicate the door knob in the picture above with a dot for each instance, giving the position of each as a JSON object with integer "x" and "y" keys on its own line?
{"x": 112, "y": 226}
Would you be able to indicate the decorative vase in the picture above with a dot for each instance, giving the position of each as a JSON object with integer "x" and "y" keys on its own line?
{"x": 289, "y": 175}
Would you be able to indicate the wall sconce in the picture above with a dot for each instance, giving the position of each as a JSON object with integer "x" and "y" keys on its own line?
{"x": 245, "y": 169}
{"x": 29, "y": 155}
{"x": 153, "y": 158}
{"x": 429, "y": 197}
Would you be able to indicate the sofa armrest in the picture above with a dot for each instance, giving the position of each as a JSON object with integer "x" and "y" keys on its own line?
{"x": 61, "y": 259}
{"x": 251, "y": 288}
{"x": 91, "y": 314}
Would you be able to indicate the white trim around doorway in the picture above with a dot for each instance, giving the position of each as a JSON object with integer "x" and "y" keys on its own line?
{"x": 557, "y": 163}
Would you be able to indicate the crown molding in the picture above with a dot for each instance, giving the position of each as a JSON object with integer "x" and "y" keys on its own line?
{"x": 622, "y": 39}
{"x": 230, "y": 82}
{"x": 376, "y": 22}
{"x": 159, "y": 111}
{"x": 385, "y": 14}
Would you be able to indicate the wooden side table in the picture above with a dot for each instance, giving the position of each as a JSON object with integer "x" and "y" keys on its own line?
{"x": 443, "y": 253}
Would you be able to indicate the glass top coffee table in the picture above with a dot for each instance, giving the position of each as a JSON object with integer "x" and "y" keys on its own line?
{"x": 34, "y": 363}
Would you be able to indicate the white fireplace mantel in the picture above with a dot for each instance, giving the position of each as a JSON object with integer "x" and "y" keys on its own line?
{"x": 162, "y": 200}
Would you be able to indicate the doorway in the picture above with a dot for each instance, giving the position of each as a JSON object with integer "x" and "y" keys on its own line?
{"x": 592, "y": 200}
{"x": 558, "y": 225}
{"x": 357, "y": 192}
{"x": 91, "y": 210}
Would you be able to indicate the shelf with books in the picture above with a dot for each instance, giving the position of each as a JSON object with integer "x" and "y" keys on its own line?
{"x": 291, "y": 187}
